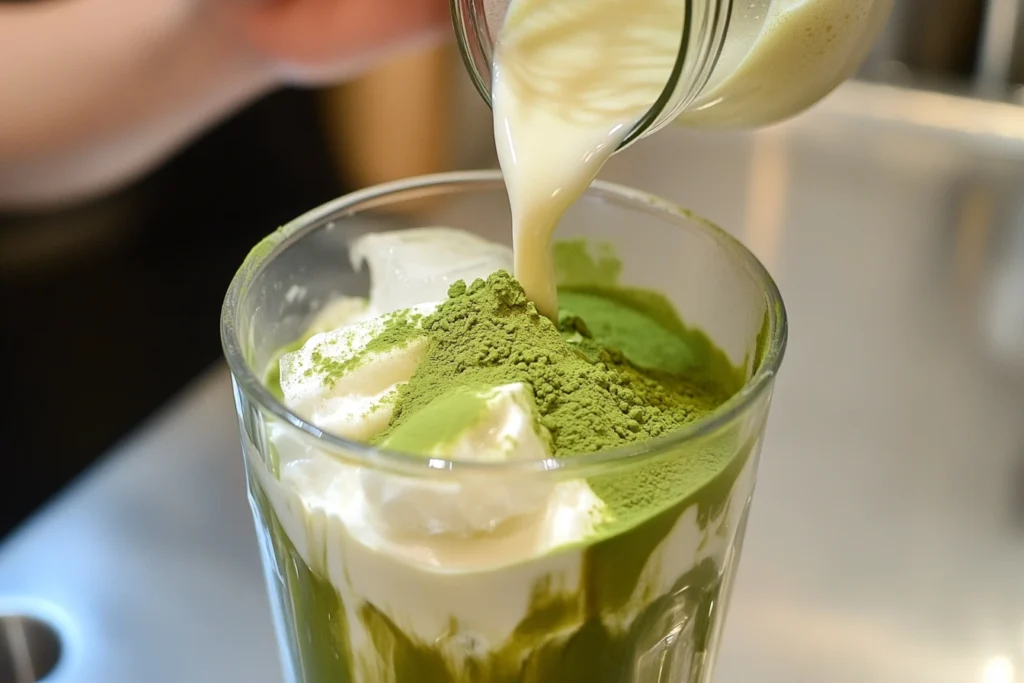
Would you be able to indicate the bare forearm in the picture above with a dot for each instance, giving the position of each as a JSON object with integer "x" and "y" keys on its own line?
{"x": 94, "y": 92}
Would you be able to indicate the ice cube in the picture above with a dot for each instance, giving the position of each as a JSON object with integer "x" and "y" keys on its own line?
{"x": 503, "y": 430}
{"x": 416, "y": 266}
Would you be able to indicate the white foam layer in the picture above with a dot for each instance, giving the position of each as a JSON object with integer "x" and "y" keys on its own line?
{"x": 485, "y": 583}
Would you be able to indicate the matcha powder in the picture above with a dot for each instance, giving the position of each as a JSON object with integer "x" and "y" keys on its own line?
{"x": 588, "y": 396}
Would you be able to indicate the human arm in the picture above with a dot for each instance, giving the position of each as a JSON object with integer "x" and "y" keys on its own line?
{"x": 94, "y": 93}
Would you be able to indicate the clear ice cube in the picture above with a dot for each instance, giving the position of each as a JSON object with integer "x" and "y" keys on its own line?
{"x": 416, "y": 266}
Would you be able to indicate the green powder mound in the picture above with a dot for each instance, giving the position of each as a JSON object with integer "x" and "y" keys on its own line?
{"x": 589, "y": 396}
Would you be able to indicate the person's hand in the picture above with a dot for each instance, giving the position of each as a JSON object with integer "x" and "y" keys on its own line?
{"x": 329, "y": 39}
{"x": 94, "y": 93}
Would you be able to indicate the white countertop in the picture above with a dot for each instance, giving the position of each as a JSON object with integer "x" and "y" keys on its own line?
{"x": 886, "y": 542}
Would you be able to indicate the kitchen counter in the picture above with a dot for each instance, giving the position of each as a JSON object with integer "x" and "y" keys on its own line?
{"x": 886, "y": 542}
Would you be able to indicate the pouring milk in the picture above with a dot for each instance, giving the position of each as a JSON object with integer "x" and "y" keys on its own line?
{"x": 573, "y": 78}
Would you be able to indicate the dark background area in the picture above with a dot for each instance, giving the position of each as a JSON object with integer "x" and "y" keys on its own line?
{"x": 100, "y": 332}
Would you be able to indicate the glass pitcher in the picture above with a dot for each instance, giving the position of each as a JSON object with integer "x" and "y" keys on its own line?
{"x": 739, "y": 64}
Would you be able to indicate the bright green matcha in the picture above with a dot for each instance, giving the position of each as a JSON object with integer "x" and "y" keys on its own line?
{"x": 619, "y": 369}
{"x": 441, "y": 422}
{"x": 642, "y": 324}
{"x": 589, "y": 396}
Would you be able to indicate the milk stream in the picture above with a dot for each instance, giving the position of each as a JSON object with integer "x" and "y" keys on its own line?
{"x": 572, "y": 78}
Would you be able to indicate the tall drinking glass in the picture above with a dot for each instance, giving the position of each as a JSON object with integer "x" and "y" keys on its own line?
{"x": 643, "y": 603}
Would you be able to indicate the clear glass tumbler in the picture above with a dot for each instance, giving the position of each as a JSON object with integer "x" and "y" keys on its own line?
{"x": 645, "y": 604}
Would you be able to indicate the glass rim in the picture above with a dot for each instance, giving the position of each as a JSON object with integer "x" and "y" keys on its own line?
{"x": 365, "y": 454}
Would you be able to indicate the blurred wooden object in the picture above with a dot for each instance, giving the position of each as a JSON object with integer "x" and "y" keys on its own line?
{"x": 942, "y": 38}
{"x": 394, "y": 121}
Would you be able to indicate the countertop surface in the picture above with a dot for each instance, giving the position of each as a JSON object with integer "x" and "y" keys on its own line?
{"x": 886, "y": 542}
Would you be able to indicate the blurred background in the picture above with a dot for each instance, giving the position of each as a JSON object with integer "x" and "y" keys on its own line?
{"x": 110, "y": 306}
{"x": 887, "y": 542}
